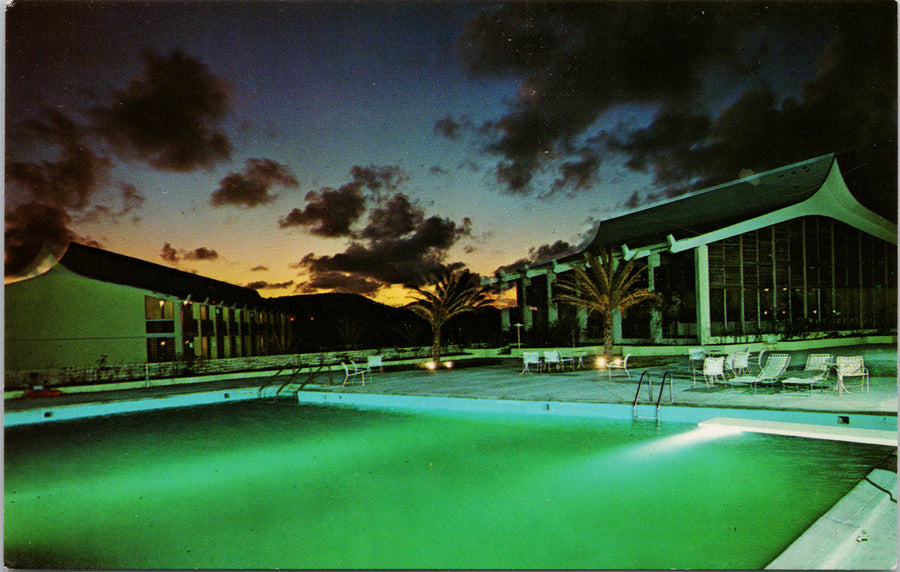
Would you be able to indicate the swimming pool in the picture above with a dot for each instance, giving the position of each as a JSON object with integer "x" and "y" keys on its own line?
{"x": 280, "y": 485}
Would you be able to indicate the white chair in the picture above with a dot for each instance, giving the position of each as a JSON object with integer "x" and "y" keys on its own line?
{"x": 696, "y": 355}
{"x": 852, "y": 366}
{"x": 352, "y": 372}
{"x": 553, "y": 358}
{"x": 741, "y": 363}
{"x": 530, "y": 359}
{"x": 618, "y": 363}
{"x": 728, "y": 367}
{"x": 375, "y": 361}
{"x": 813, "y": 374}
{"x": 713, "y": 370}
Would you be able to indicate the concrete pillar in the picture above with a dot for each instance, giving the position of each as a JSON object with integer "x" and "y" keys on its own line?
{"x": 704, "y": 320}
{"x": 179, "y": 328}
{"x": 656, "y": 333}
{"x": 523, "y": 303}
{"x": 552, "y": 308}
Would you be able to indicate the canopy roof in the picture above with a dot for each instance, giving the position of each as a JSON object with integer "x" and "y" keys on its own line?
{"x": 716, "y": 207}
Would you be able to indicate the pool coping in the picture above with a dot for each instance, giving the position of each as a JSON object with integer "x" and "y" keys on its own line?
{"x": 858, "y": 533}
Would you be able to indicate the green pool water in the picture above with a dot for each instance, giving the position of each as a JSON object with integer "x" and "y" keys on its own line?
{"x": 278, "y": 485}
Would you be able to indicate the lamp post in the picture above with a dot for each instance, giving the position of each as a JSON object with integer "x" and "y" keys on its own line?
{"x": 518, "y": 334}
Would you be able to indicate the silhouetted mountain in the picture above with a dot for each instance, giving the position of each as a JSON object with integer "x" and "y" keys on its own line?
{"x": 350, "y": 321}
{"x": 344, "y": 321}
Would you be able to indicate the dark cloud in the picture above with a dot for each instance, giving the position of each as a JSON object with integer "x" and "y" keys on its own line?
{"x": 395, "y": 253}
{"x": 330, "y": 212}
{"x": 259, "y": 268}
{"x": 263, "y": 285}
{"x": 169, "y": 254}
{"x": 131, "y": 200}
{"x": 169, "y": 116}
{"x": 339, "y": 282}
{"x": 579, "y": 174}
{"x": 201, "y": 253}
{"x": 537, "y": 255}
{"x": 376, "y": 179}
{"x": 72, "y": 177}
{"x": 251, "y": 188}
{"x": 29, "y": 227}
{"x": 173, "y": 256}
{"x": 452, "y": 128}
{"x": 396, "y": 218}
{"x": 575, "y": 61}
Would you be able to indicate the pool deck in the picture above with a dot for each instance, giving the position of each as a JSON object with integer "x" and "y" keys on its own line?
{"x": 867, "y": 538}
{"x": 586, "y": 385}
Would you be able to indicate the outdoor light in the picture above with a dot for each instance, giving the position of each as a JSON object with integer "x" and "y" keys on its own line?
{"x": 431, "y": 365}
{"x": 601, "y": 362}
{"x": 448, "y": 364}
{"x": 617, "y": 361}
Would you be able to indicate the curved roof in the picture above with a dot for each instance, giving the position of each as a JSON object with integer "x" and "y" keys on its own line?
{"x": 716, "y": 207}
{"x": 108, "y": 266}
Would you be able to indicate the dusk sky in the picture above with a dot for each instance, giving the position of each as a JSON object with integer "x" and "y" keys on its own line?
{"x": 301, "y": 147}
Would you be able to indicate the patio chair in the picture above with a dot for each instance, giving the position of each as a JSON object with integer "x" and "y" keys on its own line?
{"x": 813, "y": 374}
{"x": 741, "y": 363}
{"x": 776, "y": 364}
{"x": 530, "y": 359}
{"x": 352, "y": 372}
{"x": 852, "y": 366}
{"x": 553, "y": 358}
{"x": 696, "y": 355}
{"x": 713, "y": 370}
{"x": 375, "y": 361}
{"x": 618, "y": 363}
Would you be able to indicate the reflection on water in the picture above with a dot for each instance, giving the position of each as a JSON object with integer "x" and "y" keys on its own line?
{"x": 262, "y": 485}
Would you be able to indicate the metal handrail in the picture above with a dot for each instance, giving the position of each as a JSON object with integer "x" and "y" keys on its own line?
{"x": 662, "y": 387}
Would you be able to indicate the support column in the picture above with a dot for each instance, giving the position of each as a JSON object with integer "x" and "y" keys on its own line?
{"x": 656, "y": 333}
{"x": 177, "y": 314}
{"x": 704, "y": 320}
{"x": 523, "y": 303}
{"x": 552, "y": 309}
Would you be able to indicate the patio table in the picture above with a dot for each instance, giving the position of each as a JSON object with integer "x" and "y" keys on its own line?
{"x": 839, "y": 384}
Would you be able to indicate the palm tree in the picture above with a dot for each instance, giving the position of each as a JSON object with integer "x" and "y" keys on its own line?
{"x": 453, "y": 294}
{"x": 607, "y": 288}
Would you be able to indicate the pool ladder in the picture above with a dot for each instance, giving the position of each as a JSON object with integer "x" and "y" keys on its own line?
{"x": 295, "y": 372}
{"x": 637, "y": 394}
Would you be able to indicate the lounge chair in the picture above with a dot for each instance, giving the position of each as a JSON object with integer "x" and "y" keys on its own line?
{"x": 553, "y": 358}
{"x": 852, "y": 366}
{"x": 375, "y": 361}
{"x": 530, "y": 359}
{"x": 352, "y": 372}
{"x": 813, "y": 374}
{"x": 618, "y": 363}
{"x": 776, "y": 364}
